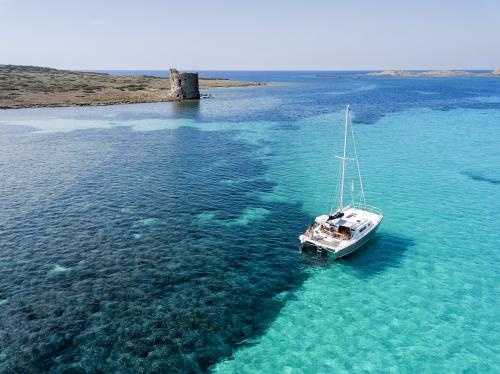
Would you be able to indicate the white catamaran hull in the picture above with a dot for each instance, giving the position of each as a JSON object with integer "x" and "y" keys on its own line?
{"x": 344, "y": 250}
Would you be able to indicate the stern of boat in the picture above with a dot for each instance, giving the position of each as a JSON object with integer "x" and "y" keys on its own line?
{"x": 302, "y": 240}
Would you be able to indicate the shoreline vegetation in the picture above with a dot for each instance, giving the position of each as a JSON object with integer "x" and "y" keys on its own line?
{"x": 426, "y": 73}
{"x": 33, "y": 86}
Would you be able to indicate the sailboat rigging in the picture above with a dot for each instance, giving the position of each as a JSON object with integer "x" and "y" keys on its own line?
{"x": 349, "y": 227}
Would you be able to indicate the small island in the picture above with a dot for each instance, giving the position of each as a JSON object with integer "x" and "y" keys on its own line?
{"x": 33, "y": 86}
{"x": 413, "y": 73}
{"x": 435, "y": 73}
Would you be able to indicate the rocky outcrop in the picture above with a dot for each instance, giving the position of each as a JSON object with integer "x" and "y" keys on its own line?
{"x": 184, "y": 86}
{"x": 434, "y": 73}
{"x": 392, "y": 73}
{"x": 175, "y": 84}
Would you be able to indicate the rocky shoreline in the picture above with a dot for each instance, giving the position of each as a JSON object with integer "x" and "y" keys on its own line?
{"x": 32, "y": 87}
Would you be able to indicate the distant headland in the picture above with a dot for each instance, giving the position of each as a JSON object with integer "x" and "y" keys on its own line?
{"x": 435, "y": 73}
{"x": 33, "y": 86}
{"x": 413, "y": 73}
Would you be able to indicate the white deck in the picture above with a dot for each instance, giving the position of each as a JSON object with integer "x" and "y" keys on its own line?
{"x": 362, "y": 224}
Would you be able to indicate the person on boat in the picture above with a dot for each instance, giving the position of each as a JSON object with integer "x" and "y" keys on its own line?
{"x": 309, "y": 231}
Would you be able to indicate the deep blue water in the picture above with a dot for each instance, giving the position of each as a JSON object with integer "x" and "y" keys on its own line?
{"x": 163, "y": 237}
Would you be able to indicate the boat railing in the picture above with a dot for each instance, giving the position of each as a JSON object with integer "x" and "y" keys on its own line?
{"x": 373, "y": 209}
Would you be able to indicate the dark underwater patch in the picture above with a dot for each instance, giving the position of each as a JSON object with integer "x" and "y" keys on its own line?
{"x": 144, "y": 289}
{"x": 482, "y": 177}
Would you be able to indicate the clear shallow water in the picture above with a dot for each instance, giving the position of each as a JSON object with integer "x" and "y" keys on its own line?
{"x": 163, "y": 237}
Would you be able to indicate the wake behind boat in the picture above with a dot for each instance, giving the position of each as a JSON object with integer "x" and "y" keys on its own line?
{"x": 350, "y": 227}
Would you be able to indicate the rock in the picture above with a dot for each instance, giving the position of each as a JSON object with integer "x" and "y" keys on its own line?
{"x": 184, "y": 86}
{"x": 392, "y": 73}
{"x": 175, "y": 84}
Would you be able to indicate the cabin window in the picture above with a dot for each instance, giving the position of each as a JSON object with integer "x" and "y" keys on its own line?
{"x": 362, "y": 229}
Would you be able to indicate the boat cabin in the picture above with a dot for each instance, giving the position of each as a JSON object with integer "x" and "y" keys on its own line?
{"x": 342, "y": 225}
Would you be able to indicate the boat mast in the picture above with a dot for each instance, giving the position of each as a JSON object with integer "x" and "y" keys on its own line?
{"x": 341, "y": 197}
{"x": 362, "y": 200}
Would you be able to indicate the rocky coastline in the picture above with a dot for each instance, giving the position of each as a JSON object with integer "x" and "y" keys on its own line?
{"x": 33, "y": 86}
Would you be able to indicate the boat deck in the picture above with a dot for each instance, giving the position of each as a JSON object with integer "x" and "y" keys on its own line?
{"x": 327, "y": 243}
{"x": 325, "y": 234}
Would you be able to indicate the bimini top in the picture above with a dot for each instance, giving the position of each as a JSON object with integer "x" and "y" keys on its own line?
{"x": 349, "y": 224}
{"x": 350, "y": 220}
{"x": 322, "y": 219}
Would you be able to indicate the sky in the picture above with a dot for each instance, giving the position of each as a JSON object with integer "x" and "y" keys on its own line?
{"x": 251, "y": 34}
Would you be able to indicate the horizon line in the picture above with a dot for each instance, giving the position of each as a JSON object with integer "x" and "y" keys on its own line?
{"x": 264, "y": 70}
{"x": 257, "y": 70}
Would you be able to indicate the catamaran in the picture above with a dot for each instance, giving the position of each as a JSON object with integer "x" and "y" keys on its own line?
{"x": 347, "y": 228}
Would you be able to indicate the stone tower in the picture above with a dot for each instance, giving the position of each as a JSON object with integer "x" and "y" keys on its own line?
{"x": 184, "y": 86}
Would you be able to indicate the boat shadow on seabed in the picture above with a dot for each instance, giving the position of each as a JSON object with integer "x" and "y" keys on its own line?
{"x": 382, "y": 252}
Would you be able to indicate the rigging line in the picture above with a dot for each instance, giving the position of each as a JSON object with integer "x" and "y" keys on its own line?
{"x": 332, "y": 197}
{"x": 339, "y": 174}
{"x": 357, "y": 164}
{"x": 335, "y": 197}
{"x": 336, "y": 192}
{"x": 352, "y": 194}
{"x": 341, "y": 195}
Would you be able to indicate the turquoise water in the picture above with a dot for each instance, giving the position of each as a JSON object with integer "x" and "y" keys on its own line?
{"x": 424, "y": 295}
{"x": 163, "y": 237}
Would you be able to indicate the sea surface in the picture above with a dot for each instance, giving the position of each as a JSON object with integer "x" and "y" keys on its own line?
{"x": 163, "y": 237}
